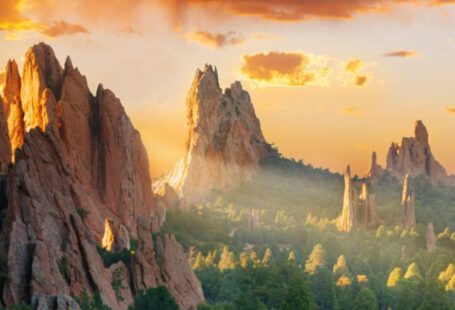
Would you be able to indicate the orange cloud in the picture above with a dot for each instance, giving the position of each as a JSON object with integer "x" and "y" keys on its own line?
{"x": 292, "y": 10}
{"x": 361, "y": 80}
{"x": 288, "y": 68}
{"x": 354, "y": 66}
{"x": 350, "y": 110}
{"x": 13, "y": 20}
{"x": 215, "y": 40}
{"x": 402, "y": 53}
{"x": 450, "y": 109}
{"x": 298, "y": 68}
{"x": 62, "y": 28}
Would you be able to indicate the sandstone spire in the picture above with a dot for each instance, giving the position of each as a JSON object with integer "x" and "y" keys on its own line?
{"x": 12, "y": 106}
{"x": 225, "y": 142}
{"x": 375, "y": 171}
{"x": 347, "y": 219}
{"x": 414, "y": 157}
{"x": 358, "y": 211}
{"x": 81, "y": 162}
{"x": 430, "y": 237}
{"x": 407, "y": 203}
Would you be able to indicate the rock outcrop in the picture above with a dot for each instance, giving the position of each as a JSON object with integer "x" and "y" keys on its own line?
{"x": 225, "y": 142}
{"x": 375, "y": 171}
{"x": 359, "y": 211}
{"x": 407, "y": 204}
{"x": 78, "y": 161}
{"x": 414, "y": 157}
{"x": 430, "y": 237}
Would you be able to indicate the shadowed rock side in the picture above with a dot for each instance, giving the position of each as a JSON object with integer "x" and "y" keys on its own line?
{"x": 359, "y": 211}
{"x": 225, "y": 141}
{"x": 414, "y": 157}
{"x": 76, "y": 154}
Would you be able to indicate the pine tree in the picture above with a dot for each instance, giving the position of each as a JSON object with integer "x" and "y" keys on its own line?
{"x": 291, "y": 257}
{"x": 267, "y": 258}
{"x": 434, "y": 297}
{"x": 447, "y": 275}
{"x": 413, "y": 272}
{"x": 365, "y": 300}
{"x": 199, "y": 262}
{"x": 227, "y": 260}
{"x": 297, "y": 296}
{"x": 316, "y": 260}
{"x": 341, "y": 267}
{"x": 394, "y": 276}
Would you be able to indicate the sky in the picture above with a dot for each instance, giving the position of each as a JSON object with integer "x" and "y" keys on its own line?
{"x": 331, "y": 81}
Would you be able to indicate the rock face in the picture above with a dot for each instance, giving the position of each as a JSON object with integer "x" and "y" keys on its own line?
{"x": 414, "y": 157}
{"x": 225, "y": 141}
{"x": 407, "y": 204}
{"x": 358, "y": 211}
{"x": 430, "y": 237}
{"x": 78, "y": 162}
{"x": 375, "y": 171}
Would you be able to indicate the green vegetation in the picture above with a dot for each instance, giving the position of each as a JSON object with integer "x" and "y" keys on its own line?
{"x": 243, "y": 265}
{"x": 83, "y": 213}
{"x": 110, "y": 258}
{"x": 154, "y": 298}
{"x": 65, "y": 269}
{"x": 87, "y": 302}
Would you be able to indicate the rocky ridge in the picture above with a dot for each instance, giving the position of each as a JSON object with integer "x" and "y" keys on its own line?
{"x": 412, "y": 157}
{"x": 225, "y": 142}
{"x": 70, "y": 160}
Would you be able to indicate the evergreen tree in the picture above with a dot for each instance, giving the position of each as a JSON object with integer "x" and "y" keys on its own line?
{"x": 316, "y": 260}
{"x": 267, "y": 258}
{"x": 292, "y": 257}
{"x": 341, "y": 267}
{"x": 154, "y": 298}
{"x": 413, "y": 272}
{"x": 227, "y": 259}
{"x": 199, "y": 262}
{"x": 434, "y": 297}
{"x": 365, "y": 300}
{"x": 323, "y": 289}
{"x": 394, "y": 276}
{"x": 298, "y": 296}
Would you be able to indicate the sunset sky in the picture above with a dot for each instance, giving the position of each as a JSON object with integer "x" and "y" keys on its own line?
{"x": 331, "y": 80}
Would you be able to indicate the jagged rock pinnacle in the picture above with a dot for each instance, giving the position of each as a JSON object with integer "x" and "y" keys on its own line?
{"x": 225, "y": 142}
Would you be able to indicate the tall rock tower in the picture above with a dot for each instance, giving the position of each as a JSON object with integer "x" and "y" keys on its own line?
{"x": 225, "y": 142}
{"x": 407, "y": 203}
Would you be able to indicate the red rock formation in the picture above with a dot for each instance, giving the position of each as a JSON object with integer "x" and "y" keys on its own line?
{"x": 375, "y": 171}
{"x": 79, "y": 152}
{"x": 225, "y": 141}
{"x": 358, "y": 211}
{"x": 414, "y": 157}
{"x": 407, "y": 204}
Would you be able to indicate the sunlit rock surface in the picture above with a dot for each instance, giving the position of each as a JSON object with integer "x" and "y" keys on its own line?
{"x": 81, "y": 162}
{"x": 225, "y": 143}
{"x": 359, "y": 211}
{"x": 407, "y": 203}
{"x": 414, "y": 157}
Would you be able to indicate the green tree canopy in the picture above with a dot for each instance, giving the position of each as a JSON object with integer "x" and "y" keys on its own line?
{"x": 365, "y": 300}
{"x": 154, "y": 298}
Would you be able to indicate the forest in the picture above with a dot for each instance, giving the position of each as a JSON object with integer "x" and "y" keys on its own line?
{"x": 273, "y": 243}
